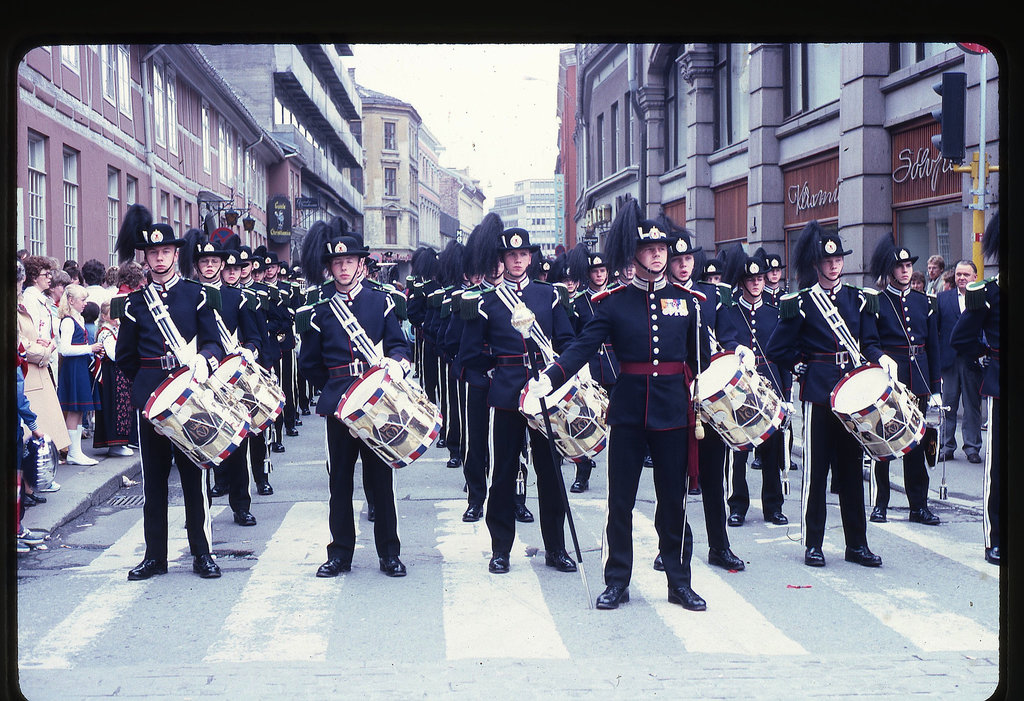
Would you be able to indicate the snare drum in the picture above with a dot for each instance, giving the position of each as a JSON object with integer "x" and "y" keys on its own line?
{"x": 882, "y": 415}
{"x": 739, "y": 403}
{"x": 253, "y": 387}
{"x": 202, "y": 420}
{"x": 394, "y": 418}
{"x": 576, "y": 411}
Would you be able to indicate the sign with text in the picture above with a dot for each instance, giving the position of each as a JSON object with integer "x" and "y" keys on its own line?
{"x": 279, "y": 219}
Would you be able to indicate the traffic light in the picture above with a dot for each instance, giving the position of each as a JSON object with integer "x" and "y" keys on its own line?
{"x": 953, "y": 90}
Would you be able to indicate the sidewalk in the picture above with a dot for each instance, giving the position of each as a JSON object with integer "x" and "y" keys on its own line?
{"x": 81, "y": 487}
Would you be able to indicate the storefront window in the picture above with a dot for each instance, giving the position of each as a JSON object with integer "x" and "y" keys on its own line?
{"x": 930, "y": 230}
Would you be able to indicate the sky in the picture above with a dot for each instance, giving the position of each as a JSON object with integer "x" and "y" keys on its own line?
{"x": 491, "y": 106}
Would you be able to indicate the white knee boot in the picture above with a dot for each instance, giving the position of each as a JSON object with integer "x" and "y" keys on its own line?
{"x": 75, "y": 454}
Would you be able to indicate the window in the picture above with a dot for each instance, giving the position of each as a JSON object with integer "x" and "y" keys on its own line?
{"x": 614, "y": 145}
{"x": 389, "y": 137}
{"x": 391, "y": 230}
{"x": 675, "y": 116}
{"x": 70, "y": 205}
{"x": 165, "y": 208}
{"x": 222, "y": 151}
{"x": 69, "y": 57}
{"x": 206, "y": 138}
{"x": 599, "y": 156}
{"x": 36, "y": 196}
{"x": 113, "y": 215}
{"x": 176, "y": 215}
{"x": 108, "y": 55}
{"x": 170, "y": 87}
{"x": 124, "y": 80}
{"x": 159, "y": 105}
{"x": 731, "y": 93}
{"x": 907, "y": 54}
{"x": 627, "y": 130}
{"x": 811, "y": 75}
{"x": 390, "y": 182}
{"x": 131, "y": 190}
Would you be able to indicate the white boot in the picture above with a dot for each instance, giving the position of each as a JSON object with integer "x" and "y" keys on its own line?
{"x": 120, "y": 451}
{"x": 75, "y": 454}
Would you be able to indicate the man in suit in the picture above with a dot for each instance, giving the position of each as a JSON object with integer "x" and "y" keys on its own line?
{"x": 961, "y": 376}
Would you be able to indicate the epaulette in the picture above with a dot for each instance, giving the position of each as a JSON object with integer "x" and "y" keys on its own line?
{"x": 304, "y": 316}
{"x": 274, "y": 294}
{"x": 697, "y": 294}
{"x": 563, "y": 294}
{"x": 469, "y": 309}
{"x": 252, "y": 299}
{"x": 975, "y": 296}
{"x": 436, "y": 298}
{"x": 214, "y": 299}
{"x": 725, "y": 297}
{"x": 870, "y": 297}
{"x": 789, "y": 305}
{"x": 401, "y": 306}
{"x": 446, "y": 305}
{"x": 117, "y": 305}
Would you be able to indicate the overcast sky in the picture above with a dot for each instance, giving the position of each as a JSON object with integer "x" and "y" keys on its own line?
{"x": 491, "y": 106}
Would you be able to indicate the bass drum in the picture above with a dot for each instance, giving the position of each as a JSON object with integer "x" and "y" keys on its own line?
{"x": 202, "y": 420}
{"x": 577, "y": 413}
{"x": 253, "y": 386}
{"x": 395, "y": 419}
{"x": 882, "y": 415}
{"x": 739, "y": 403}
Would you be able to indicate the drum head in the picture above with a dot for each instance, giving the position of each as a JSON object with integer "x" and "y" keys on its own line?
{"x": 718, "y": 374}
{"x": 860, "y": 389}
{"x": 229, "y": 368}
{"x": 169, "y": 392}
{"x": 361, "y": 391}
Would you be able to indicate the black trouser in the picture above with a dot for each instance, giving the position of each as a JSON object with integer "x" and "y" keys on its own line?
{"x": 915, "y": 475}
{"x": 158, "y": 452}
{"x": 713, "y": 458}
{"x": 771, "y": 452}
{"x": 508, "y": 430}
{"x": 668, "y": 449}
{"x": 258, "y": 456}
{"x": 304, "y": 392}
{"x": 285, "y": 368}
{"x": 455, "y": 399}
{"x": 430, "y": 375}
{"x": 827, "y": 444}
{"x": 233, "y": 474}
{"x": 993, "y": 522}
{"x": 343, "y": 449}
{"x": 476, "y": 459}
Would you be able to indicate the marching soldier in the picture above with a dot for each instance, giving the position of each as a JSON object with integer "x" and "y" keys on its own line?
{"x": 713, "y": 455}
{"x": 330, "y": 359}
{"x": 450, "y": 264}
{"x": 774, "y": 287}
{"x": 421, "y": 288}
{"x": 147, "y": 357}
{"x": 976, "y": 337}
{"x": 491, "y": 344}
{"x": 754, "y": 320}
{"x": 652, "y": 326}
{"x": 281, "y": 323}
{"x": 806, "y": 342}
{"x": 909, "y": 334}
{"x": 258, "y": 298}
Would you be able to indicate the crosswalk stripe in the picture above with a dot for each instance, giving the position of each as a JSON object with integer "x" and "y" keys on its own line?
{"x": 962, "y": 551}
{"x": 99, "y": 609}
{"x": 282, "y": 611}
{"x": 916, "y": 616}
{"x": 731, "y": 624}
{"x": 470, "y": 593}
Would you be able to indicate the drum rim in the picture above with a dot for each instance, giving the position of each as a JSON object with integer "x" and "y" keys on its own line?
{"x": 164, "y": 384}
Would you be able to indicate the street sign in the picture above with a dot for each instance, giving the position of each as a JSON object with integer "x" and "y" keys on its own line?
{"x": 972, "y": 48}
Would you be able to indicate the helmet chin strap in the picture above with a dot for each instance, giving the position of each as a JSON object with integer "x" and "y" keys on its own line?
{"x": 636, "y": 262}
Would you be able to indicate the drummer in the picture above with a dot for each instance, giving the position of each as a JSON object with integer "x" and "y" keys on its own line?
{"x": 144, "y": 356}
{"x": 233, "y": 475}
{"x": 754, "y": 319}
{"x": 328, "y": 359}
{"x": 806, "y": 343}
{"x": 490, "y": 343}
{"x": 714, "y": 456}
{"x": 908, "y": 332}
{"x": 652, "y": 326}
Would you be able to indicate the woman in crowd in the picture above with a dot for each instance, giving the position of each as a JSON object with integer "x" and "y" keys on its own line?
{"x": 75, "y": 388}
{"x": 114, "y": 420}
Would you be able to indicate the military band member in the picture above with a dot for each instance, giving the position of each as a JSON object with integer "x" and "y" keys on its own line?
{"x": 421, "y": 288}
{"x": 233, "y": 475}
{"x": 281, "y": 323}
{"x": 490, "y": 343}
{"x": 908, "y": 333}
{"x": 754, "y": 320}
{"x": 452, "y": 279}
{"x": 332, "y": 362}
{"x": 975, "y": 337}
{"x": 774, "y": 285}
{"x": 145, "y": 356}
{"x": 713, "y": 455}
{"x": 652, "y": 326}
{"x": 806, "y": 342}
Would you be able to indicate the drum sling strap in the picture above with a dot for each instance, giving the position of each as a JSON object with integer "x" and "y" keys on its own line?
{"x": 182, "y": 350}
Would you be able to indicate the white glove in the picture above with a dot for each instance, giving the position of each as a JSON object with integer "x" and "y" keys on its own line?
{"x": 395, "y": 367}
{"x": 247, "y": 355}
{"x": 890, "y": 367}
{"x": 935, "y": 400}
{"x": 746, "y": 357}
{"x": 799, "y": 369}
{"x": 200, "y": 368}
{"x": 539, "y": 386}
